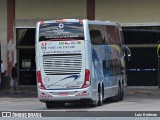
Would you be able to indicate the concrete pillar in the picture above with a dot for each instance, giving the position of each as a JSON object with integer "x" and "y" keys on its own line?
{"x": 91, "y": 9}
{"x": 10, "y": 34}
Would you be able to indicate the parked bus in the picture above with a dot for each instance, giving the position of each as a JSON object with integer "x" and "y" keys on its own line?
{"x": 79, "y": 61}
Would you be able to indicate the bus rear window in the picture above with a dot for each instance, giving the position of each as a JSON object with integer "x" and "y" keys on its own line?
{"x": 65, "y": 30}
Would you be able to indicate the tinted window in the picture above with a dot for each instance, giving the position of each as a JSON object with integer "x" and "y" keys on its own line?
{"x": 142, "y": 70}
{"x": 96, "y": 37}
{"x": 103, "y": 34}
{"x": 69, "y": 30}
{"x": 143, "y": 58}
{"x": 25, "y": 36}
{"x": 141, "y": 34}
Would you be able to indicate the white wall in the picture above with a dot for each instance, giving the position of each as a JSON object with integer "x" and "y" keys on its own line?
{"x": 47, "y": 9}
{"x": 128, "y": 11}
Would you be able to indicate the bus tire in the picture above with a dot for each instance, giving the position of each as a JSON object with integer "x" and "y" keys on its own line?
{"x": 54, "y": 104}
{"x": 100, "y": 96}
{"x": 122, "y": 92}
{"x": 117, "y": 97}
{"x": 49, "y": 105}
{"x": 94, "y": 103}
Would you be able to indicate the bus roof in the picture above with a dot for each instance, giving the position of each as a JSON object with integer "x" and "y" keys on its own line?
{"x": 81, "y": 20}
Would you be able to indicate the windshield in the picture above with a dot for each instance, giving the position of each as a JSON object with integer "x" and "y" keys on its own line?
{"x": 64, "y": 30}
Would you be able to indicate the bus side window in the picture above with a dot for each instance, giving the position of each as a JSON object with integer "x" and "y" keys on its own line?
{"x": 96, "y": 37}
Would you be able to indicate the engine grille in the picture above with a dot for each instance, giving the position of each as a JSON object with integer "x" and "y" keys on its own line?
{"x": 62, "y": 64}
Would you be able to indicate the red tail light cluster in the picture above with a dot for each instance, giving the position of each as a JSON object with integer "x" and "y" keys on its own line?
{"x": 42, "y": 22}
{"x": 61, "y": 21}
{"x": 39, "y": 79}
{"x": 87, "y": 79}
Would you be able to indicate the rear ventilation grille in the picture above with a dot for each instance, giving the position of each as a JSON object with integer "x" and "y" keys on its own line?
{"x": 62, "y": 64}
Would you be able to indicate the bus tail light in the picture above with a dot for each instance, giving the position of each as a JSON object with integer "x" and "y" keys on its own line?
{"x": 61, "y": 21}
{"x": 81, "y": 21}
{"x": 87, "y": 79}
{"x": 39, "y": 79}
{"x": 42, "y": 22}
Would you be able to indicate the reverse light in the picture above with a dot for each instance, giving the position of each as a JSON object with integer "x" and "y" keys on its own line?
{"x": 86, "y": 79}
{"x": 39, "y": 80}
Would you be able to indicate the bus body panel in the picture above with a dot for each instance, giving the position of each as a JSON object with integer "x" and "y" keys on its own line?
{"x": 107, "y": 54}
{"x": 65, "y": 95}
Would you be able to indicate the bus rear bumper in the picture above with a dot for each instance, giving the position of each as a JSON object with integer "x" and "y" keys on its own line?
{"x": 74, "y": 95}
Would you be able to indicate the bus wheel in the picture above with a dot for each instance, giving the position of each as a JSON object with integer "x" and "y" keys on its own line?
{"x": 122, "y": 92}
{"x": 100, "y": 96}
{"x": 94, "y": 103}
{"x": 49, "y": 104}
{"x": 54, "y": 104}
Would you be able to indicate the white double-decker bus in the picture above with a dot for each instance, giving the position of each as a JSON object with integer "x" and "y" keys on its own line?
{"x": 79, "y": 61}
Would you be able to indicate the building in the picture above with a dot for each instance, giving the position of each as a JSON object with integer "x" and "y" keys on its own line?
{"x": 139, "y": 18}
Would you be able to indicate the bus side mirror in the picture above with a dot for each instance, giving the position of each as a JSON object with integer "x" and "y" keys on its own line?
{"x": 127, "y": 53}
{"x": 158, "y": 49}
